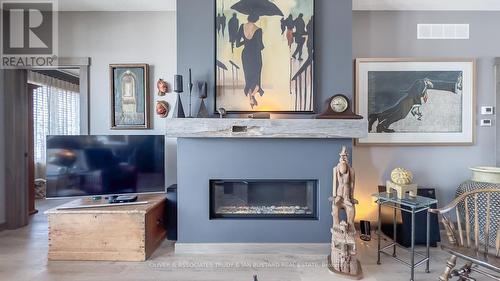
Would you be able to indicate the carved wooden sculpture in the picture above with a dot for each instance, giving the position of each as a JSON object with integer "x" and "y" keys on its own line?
{"x": 342, "y": 259}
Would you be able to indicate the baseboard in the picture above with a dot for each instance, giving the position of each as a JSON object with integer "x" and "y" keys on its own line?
{"x": 252, "y": 248}
{"x": 3, "y": 226}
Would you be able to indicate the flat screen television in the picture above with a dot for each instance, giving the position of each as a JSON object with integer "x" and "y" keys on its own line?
{"x": 79, "y": 166}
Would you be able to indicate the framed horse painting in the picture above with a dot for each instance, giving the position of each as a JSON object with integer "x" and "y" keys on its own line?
{"x": 417, "y": 101}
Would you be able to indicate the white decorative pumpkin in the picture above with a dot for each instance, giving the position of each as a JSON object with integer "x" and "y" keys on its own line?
{"x": 401, "y": 176}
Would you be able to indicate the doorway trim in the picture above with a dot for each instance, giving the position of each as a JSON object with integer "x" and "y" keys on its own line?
{"x": 18, "y": 181}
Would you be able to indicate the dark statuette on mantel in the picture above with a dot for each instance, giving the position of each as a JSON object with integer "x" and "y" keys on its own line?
{"x": 203, "y": 94}
{"x": 338, "y": 107}
{"x": 178, "y": 89}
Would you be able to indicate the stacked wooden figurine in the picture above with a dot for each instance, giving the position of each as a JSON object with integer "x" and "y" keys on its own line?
{"x": 342, "y": 259}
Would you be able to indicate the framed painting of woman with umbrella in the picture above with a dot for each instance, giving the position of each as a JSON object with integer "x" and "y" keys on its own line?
{"x": 264, "y": 58}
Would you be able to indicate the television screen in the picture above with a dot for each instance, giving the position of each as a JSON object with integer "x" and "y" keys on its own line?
{"x": 104, "y": 165}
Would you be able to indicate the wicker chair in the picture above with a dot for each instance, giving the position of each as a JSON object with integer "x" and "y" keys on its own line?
{"x": 474, "y": 238}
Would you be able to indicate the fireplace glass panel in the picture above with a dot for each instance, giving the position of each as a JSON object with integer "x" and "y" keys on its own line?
{"x": 293, "y": 199}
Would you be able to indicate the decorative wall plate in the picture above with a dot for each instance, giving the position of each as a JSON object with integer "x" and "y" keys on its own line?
{"x": 162, "y": 109}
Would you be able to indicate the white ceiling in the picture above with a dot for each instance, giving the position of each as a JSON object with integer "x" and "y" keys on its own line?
{"x": 442, "y": 5}
{"x": 117, "y": 5}
{"x": 170, "y": 5}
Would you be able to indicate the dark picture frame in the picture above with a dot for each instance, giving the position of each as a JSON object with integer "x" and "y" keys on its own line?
{"x": 306, "y": 103}
{"x": 130, "y": 97}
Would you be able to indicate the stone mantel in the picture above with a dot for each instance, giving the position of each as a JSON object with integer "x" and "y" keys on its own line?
{"x": 266, "y": 128}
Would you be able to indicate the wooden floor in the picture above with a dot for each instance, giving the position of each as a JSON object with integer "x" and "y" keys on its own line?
{"x": 23, "y": 256}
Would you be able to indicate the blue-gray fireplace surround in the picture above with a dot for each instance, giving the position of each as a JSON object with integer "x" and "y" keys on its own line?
{"x": 203, "y": 159}
{"x": 200, "y": 160}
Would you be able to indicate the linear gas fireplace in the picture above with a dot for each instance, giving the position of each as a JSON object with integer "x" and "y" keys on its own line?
{"x": 263, "y": 199}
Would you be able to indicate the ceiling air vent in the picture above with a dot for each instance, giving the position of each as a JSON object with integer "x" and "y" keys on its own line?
{"x": 443, "y": 31}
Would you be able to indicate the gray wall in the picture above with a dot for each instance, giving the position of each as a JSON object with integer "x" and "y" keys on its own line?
{"x": 114, "y": 37}
{"x": 197, "y": 158}
{"x": 122, "y": 37}
{"x": 2, "y": 158}
{"x": 497, "y": 93}
{"x": 333, "y": 46}
{"x": 393, "y": 34}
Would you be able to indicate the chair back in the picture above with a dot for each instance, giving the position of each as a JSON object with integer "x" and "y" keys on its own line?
{"x": 476, "y": 227}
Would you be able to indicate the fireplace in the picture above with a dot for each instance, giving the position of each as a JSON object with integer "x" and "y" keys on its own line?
{"x": 221, "y": 193}
{"x": 263, "y": 199}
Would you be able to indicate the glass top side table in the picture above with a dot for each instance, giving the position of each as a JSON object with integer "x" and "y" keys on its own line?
{"x": 412, "y": 202}
{"x": 412, "y": 205}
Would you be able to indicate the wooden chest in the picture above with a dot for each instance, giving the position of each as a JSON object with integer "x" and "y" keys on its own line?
{"x": 118, "y": 233}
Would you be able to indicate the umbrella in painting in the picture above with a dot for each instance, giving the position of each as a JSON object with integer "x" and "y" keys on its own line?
{"x": 221, "y": 65}
{"x": 257, "y": 8}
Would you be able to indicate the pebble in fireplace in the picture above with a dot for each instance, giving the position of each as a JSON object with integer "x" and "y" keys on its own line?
{"x": 280, "y": 199}
{"x": 257, "y": 210}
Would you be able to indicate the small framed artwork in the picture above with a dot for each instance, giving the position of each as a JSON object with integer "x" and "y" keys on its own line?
{"x": 417, "y": 101}
{"x": 130, "y": 104}
{"x": 264, "y": 56}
